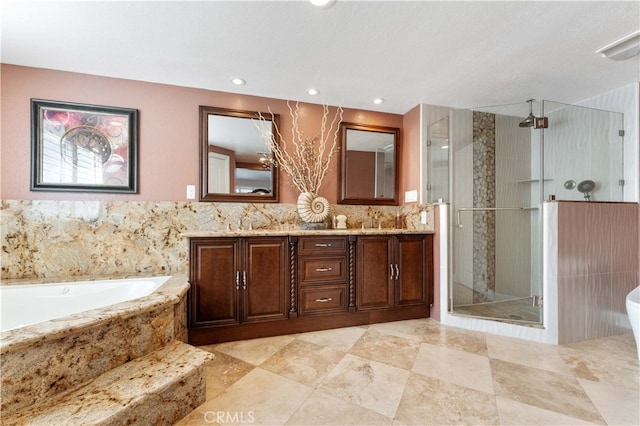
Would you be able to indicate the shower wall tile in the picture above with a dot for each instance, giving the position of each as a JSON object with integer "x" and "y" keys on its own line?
{"x": 484, "y": 195}
{"x": 571, "y": 310}
{"x": 597, "y": 268}
{"x": 623, "y": 283}
{"x": 598, "y": 314}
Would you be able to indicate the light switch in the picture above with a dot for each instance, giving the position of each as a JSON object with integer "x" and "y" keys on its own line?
{"x": 411, "y": 196}
{"x": 191, "y": 192}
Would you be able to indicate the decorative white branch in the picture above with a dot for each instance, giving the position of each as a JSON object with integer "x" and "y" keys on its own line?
{"x": 305, "y": 160}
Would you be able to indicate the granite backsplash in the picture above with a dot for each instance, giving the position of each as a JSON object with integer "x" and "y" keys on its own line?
{"x": 44, "y": 238}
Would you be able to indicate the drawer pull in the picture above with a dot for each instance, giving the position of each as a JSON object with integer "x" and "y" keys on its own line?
{"x": 323, "y": 245}
{"x": 324, "y": 300}
{"x": 324, "y": 269}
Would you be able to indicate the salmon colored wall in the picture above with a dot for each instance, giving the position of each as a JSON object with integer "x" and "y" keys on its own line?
{"x": 410, "y": 154}
{"x": 168, "y": 130}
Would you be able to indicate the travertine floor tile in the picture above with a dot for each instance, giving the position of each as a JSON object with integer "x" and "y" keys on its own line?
{"x": 597, "y": 366}
{"x": 386, "y": 348}
{"x": 341, "y": 339}
{"x": 620, "y": 346}
{"x": 456, "y": 338}
{"x": 517, "y": 413}
{"x": 324, "y": 409}
{"x": 304, "y": 362}
{"x": 618, "y": 405}
{"x": 429, "y": 401}
{"x": 410, "y": 329}
{"x": 369, "y": 384}
{"x": 195, "y": 418}
{"x": 454, "y": 366}
{"x": 545, "y": 389}
{"x": 254, "y": 351}
{"x": 359, "y": 376}
{"x": 224, "y": 371}
{"x": 531, "y": 354}
{"x": 260, "y": 397}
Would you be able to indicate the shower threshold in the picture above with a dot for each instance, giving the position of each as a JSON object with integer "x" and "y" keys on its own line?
{"x": 513, "y": 311}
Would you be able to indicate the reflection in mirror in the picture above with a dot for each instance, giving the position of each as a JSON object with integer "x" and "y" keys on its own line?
{"x": 234, "y": 164}
{"x": 369, "y": 164}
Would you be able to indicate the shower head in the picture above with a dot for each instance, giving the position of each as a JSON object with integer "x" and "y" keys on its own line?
{"x": 586, "y": 186}
{"x": 528, "y": 122}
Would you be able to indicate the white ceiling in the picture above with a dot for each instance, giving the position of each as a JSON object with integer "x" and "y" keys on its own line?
{"x": 451, "y": 53}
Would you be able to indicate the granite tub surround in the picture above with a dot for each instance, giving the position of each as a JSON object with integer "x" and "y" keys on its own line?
{"x": 49, "y": 238}
{"x": 160, "y": 388}
{"x": 42, "y": 360}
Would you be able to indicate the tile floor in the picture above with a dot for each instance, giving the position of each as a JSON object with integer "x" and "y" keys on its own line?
{"x": 419, "y": 372}
{"x": 514, "y": 311}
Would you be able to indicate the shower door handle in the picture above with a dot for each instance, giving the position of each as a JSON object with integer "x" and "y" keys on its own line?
{"x": 482, "y": 209}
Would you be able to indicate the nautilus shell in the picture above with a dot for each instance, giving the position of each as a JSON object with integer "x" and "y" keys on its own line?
{"x": 312, "y": 208}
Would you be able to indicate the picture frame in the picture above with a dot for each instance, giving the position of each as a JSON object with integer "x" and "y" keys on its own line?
{"x": 83, "y": 148}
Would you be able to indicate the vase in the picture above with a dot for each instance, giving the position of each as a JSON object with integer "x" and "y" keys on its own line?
{"x": 313, "y": 210}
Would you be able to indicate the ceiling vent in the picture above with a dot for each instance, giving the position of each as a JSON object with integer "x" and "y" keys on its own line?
{"x": 623, "y": 48}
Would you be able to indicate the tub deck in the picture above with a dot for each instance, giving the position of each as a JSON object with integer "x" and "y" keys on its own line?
{"x": 44, "y": 360}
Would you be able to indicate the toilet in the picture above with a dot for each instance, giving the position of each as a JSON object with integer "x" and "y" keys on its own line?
{"x": 633, "y": 311}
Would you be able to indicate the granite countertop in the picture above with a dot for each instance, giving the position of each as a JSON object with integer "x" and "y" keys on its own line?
{"x": 294, "y": 231}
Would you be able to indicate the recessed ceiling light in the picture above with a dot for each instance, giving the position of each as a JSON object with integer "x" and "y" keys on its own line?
{"x": 313, "y": 91}
{"x": 323, "y": 3}
{"x": 238, "y": 81}
{"x": 378, "y": 101}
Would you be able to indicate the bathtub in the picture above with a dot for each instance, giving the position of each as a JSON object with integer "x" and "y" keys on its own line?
{"x": 633, "y": 311}
{"x": 76, "y": 331}
{"x": 23, "y": 305}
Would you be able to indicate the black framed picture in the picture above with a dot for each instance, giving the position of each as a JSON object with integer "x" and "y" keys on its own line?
{"x": 85, "y": 148}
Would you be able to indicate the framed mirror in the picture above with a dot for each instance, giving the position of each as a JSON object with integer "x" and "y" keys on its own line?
{"x": 369, "y": 164}
{"x": 234, "y": 164}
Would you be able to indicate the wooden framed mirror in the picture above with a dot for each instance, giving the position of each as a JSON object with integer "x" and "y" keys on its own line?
{"x": 369, "y": 164}
{"x": 234, "y": 163}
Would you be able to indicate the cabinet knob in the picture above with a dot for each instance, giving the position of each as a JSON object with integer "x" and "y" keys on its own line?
{"x": 237, "y": 280}
{"x": 324, "y": 300}
{"x": 323, "y": 245}
{"x": 324, "y": 269}
{"x": 244, "y": 280}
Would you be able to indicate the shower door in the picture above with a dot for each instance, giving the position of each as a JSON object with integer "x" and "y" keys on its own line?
{"x": 496, "y": 218}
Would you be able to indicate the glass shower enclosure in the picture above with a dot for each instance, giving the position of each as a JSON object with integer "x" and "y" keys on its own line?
{"x": 502, "y": 168}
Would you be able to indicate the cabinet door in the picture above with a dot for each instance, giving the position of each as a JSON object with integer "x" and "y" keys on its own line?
{"x": 265, "y": 285}
{"x": 374, "y": 274}
{"x": 213, "y": 298}
{"x": 411, "y": 258}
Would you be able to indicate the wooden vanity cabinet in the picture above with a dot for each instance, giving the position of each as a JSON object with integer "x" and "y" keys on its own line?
{"x": 392, "y": 271}
{"x": 238, "y": 280}
{"x": 257, "y": 286}
{"x": 322, "y": 274}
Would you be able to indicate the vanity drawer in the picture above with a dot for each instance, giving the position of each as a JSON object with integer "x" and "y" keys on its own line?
{"x": 317, "y": 270}
{"x": 322, "y": 245}
{"x": 323, "y": 299}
